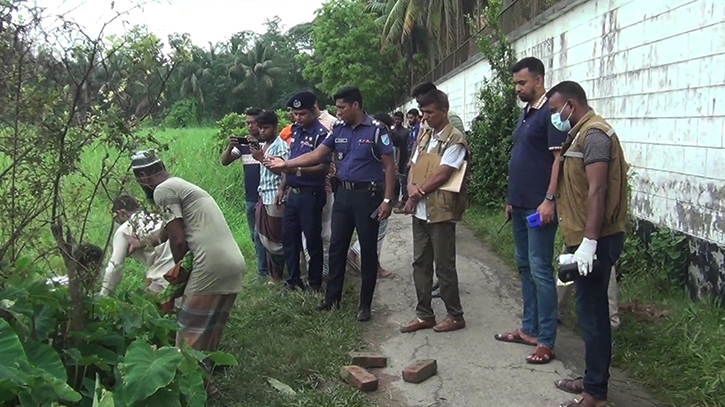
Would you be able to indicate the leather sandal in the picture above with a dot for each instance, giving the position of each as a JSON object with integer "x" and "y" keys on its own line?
{"x": 514, "y": 337}
{"x": 417, "y": 324}
{"x": 541, "y": 356}
{"x": 450, "y": 324}
{"x": 573, "y": 386}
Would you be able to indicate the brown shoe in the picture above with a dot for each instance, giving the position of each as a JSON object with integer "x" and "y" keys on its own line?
{"x": 417, "y": 324}
{"x": 450, "y": 324}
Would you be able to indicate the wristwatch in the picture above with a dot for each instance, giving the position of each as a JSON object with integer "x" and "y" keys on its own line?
{"x": 550, "y": 197}
{"x": 386, "y": 200}
{"x": 299, "y": 172}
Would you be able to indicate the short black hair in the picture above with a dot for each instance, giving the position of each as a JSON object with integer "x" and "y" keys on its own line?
{"x": 125, "y": 202}
{"x": 253, "y": 111}
{"x": 399, "y": 115}
{"x": 384, "y": 118}
{"x": 349, "y": 94}
{"x": 435, "y": 97}
{"x": 266, "y": 117}
{"x": 569, "y": 90}
{"x": 534, "y": 65}
{"x": 422, "y": 89}
{"x": 414, "y": 111}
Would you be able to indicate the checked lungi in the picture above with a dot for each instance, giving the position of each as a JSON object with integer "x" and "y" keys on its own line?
{"x": 202, "y": 319}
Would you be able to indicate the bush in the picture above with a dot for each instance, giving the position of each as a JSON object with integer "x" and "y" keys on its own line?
{"x": 490, "y": 137}
{"x": 184, "y": 113}
{"x": 126, "y": 347}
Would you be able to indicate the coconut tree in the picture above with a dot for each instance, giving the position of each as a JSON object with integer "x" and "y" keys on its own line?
{"x": 255, "y": 70}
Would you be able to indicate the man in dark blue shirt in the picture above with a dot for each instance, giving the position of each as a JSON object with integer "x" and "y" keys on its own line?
{"x": 235, "y": 151}
{"x": 533, "y": 174}
{"x": 307, "y": 196}
{"x": 364, "y": 187}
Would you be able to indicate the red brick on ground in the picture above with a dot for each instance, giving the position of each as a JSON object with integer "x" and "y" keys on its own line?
{"x": 359, "y": 378}
{"x": 368, "y": 360}
{"x": 420, "y": 370}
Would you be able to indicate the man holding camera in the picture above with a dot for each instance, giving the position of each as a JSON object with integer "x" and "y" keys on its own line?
{"x": 592, "y": 205}
{"x": 238, "y": 148}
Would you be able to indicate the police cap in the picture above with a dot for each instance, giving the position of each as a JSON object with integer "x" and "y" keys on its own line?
{"x": 302, "y": 100}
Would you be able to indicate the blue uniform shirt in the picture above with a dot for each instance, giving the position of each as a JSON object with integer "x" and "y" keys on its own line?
{"x": 413, "y": 136}
{"x": 358, "y": 156}
{"x": 304, "y": 140}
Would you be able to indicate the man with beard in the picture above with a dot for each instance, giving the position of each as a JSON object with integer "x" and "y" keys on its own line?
{"x": 533, "y": 172}
{"x": 194, "y": 223}
{"x": 240, "y": 151}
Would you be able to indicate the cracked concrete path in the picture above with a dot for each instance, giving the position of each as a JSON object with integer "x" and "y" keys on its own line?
{"x": 473, "y": 368}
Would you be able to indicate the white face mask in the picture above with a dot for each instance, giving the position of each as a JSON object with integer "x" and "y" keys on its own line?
{"x": 562, "y": 125}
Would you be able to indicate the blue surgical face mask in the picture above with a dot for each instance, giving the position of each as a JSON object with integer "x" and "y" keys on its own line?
{"x": 561, "y": 125}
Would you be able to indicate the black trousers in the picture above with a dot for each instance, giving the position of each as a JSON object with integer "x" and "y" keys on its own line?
{"x": 303, "y": 214}
{"x": 351, "y": 211}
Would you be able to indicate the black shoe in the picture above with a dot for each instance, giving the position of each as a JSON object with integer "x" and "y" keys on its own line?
{"x": 363, "y": 314}
{"x": 325, "y": 306}
{"x": 436, "y": 286}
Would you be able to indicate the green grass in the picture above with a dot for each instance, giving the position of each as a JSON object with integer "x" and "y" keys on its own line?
{"x": 680, "y": 358}
{"x": 272, "y": 334}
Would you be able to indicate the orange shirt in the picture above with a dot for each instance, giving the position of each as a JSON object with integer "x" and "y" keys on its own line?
{"x": 286, "y": 134}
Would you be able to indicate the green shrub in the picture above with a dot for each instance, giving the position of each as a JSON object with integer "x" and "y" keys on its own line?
{"x": 235, "y": 124}
{"x": 490, "y": 136}
{"x": 184, "y": 113}
{"x": 124, "y": 354}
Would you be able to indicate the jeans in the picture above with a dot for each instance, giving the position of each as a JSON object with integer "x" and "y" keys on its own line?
{"x": 262, "y": 268}
{"x": 592, "y": 312}
{"x": 534, "y": 257}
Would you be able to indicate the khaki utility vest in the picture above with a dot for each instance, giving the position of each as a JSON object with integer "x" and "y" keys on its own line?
{"x": 445, "y": 206}
{"x": 573, "y": 187}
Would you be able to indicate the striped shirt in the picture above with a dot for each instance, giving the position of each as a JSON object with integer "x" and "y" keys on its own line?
{"x": 269, "y": 181}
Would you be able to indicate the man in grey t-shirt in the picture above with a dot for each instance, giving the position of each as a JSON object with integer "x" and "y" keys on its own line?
{"x": 194, "y": 223}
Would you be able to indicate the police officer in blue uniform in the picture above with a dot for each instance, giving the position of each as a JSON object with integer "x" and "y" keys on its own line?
{"x": 364, "y": 188}
{"x": 306, "y": 193}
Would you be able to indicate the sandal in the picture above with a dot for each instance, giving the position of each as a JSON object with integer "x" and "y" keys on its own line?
{"x": 514, "y": 337}
{"x": 541, "y": 356}
{"x": 585, "y": 400}
{"x": 573, "y": 386}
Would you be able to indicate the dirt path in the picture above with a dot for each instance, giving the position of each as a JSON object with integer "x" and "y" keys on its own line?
{"x": 473, "y": 368}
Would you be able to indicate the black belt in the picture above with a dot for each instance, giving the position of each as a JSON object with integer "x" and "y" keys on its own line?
{"x": 359, "y": 185}
{"x": 306, "y": 190}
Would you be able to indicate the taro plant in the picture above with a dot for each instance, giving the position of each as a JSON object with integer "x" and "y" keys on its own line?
{"x": 124, "y": 354}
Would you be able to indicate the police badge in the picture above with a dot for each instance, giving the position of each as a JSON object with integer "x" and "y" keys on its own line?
{"x": 296, "y": 104}
{"x": 340, "y": 155}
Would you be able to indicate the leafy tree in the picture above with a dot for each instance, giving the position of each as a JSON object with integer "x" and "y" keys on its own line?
{"x": 346, "y": 40}
{"x": 257, "y": 71}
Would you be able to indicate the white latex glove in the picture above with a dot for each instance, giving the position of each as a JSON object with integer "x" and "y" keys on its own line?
{"x": 584, "y": 256}
{"x": 566, "y": 259}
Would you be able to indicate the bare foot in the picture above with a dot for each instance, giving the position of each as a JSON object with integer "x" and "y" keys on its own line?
{"x": 382, "y": 273}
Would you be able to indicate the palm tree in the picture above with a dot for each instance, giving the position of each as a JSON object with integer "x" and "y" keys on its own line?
{"x": 193, "y": 71}
{"x": 255, "y": 70}
{"x": 410, "y": 23}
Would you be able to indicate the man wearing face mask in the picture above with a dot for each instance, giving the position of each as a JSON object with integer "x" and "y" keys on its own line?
{"x": 532, "y": 183}
{"x": 592, "y": 205}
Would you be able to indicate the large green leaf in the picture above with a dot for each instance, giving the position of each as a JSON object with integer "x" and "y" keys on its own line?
{"x": 45, "y": 358}
{"x": 193, "y": 389}
{"x": 146, "y": 370}
{"x": 223, "y": 358}
{"x": 11, "y": 350}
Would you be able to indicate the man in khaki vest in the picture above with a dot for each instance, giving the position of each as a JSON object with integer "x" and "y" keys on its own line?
{"x": 440, "y": 153}
{"x": 592, "y": 206}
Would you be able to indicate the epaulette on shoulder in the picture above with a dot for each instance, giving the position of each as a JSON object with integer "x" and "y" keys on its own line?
{"x": 338, "y": 123}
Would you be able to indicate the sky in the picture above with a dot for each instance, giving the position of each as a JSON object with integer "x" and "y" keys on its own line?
{"x": 205, "y": 20}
